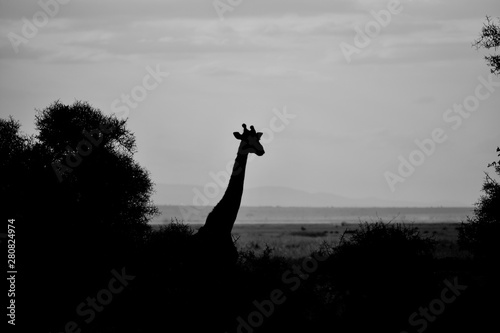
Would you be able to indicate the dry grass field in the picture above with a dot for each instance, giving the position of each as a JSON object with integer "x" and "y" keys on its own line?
{"x": 297, "y": 231}
{"x": 299, "y": 240}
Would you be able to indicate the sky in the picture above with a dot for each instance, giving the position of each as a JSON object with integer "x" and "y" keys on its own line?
{"x": 358, "y": 98}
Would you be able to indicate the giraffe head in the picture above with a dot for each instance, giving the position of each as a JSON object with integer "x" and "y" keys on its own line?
{"x": 250, "y": 141}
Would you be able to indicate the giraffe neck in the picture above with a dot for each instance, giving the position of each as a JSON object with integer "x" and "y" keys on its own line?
{"x": 224, "y": 214}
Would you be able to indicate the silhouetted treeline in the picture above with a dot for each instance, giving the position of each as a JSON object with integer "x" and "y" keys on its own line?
{"x": 88, "y": 260}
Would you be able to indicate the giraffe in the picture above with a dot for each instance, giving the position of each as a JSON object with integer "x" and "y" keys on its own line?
{"x": 214, "y": 251}
{"x": 215, "y": 234}
{"x": 204, "y": 282}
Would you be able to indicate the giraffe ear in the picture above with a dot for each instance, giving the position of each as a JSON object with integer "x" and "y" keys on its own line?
{"x": 259, "y": 134}
{"x": 237, "y": 135}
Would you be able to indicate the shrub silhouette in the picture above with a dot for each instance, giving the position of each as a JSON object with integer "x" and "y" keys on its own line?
{"x": 378, "y": 272}
{"x": 164, "y": 291}
{"x": 481, "y": 232}
{"x": 174, "y": 287}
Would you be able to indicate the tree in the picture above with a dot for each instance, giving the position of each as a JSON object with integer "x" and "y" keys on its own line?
{"x": 481, "y": 232}
{"x": 92, "y": 158}
{"x": 81, "y": 204}
{"x": 490, "y": 38}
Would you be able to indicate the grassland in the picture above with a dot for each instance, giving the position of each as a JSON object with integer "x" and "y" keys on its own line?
{"x": 299, "y": 240}
{"x": 297, "y": 231}
{"x": 302, "y": 215}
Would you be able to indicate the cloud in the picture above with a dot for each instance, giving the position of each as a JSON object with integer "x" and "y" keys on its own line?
{"x": 425, "y": 100}
{"x": 131, "y": 10}
{"x": 159, "y": 38}
{"x": 174, "y": 29}
{"x": 243, "y": 71}
{"x": 416, "y": 53}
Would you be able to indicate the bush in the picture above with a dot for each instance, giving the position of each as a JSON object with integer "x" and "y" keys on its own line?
{"x": 382, "y": 239}
{"x": 481, "y": 232}
{"x": 378, "y": 272}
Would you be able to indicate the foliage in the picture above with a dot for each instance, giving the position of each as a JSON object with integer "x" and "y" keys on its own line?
{"x": 490, "y": 38}
{"x": 76, "y": 226}
{"x": 107, "y": 179}
{"x": 15, "y": 150}
{"x": 377, "y": 271}
{"x": 12, "y": 142}
{"x": 174, "y": 232}
{"x": 480, "y": 234}
{"x": 382, "y": 239}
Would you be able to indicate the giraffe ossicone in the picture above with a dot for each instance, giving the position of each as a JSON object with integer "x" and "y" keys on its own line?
{"x": 250, "y": 141}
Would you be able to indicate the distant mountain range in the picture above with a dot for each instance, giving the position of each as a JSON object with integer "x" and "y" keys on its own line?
{"x": 276, "y": 196}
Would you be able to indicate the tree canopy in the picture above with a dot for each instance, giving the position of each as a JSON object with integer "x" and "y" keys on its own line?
{"x": 480, "y": 233}
{"x": 80, "y": 200}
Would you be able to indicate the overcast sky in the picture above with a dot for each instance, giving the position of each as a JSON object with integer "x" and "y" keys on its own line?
{"x": 356, "y": 112}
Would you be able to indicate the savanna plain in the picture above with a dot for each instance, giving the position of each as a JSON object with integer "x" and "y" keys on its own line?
{"x": 296, "y": 232}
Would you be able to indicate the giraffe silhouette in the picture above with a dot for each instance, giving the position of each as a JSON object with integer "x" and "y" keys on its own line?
{"x": 212, "y": 274}
{"x": 215, "y": 234}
